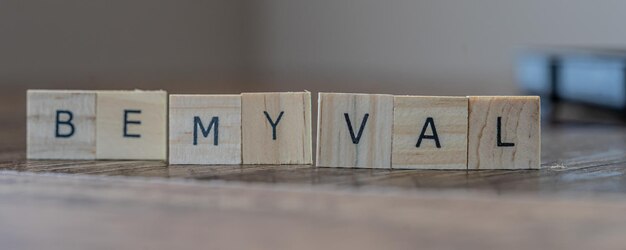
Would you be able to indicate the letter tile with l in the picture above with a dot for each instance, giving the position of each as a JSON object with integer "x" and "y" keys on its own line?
{"x": 504, "y": 132}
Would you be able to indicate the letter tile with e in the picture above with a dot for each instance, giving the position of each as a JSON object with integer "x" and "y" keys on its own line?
{"x": 131, "y": 125}
{"x": 205, "y": 129}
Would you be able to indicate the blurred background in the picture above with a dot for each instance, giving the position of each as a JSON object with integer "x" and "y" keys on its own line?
{"x": 421, "y": 47}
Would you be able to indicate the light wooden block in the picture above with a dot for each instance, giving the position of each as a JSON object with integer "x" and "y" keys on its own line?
{"x": 337, "y": 146}
{"x": 61, "y": 124}
{"x": 516, "y": 145}
{"x": 132, "y": 125}
{"x": 205, "y": 129}
{"x": 440, "y": 122}
{"x": 290, "y": 141}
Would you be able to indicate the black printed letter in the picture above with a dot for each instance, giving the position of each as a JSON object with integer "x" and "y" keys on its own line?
{"x": 356, "y": 139}
{"x": 215, "y": 121}
{"x": 126, "y": 122}
{"x": 431, "y": 122}
{"x": 67, "y": 122}
{"x": 500, "y": 143}
{"x": 273, "y": 123}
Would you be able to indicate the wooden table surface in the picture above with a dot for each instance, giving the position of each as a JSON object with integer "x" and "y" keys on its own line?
{"x": 576, "y": 201}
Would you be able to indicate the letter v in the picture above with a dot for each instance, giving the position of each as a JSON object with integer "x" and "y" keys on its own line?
{"x": 357, "y": 138}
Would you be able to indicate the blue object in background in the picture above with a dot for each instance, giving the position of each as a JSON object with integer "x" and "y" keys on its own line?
{"x": 593, "y": 78}
{"x": 533, "y": 73}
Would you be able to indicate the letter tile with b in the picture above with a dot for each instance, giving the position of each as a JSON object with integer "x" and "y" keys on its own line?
{"x": 276, "y": 128}
{"x": 131, "y": 125}
{"x": 61, "y": 124}
{"x": 354, "y": 130}
{"x": 205, "y": 129}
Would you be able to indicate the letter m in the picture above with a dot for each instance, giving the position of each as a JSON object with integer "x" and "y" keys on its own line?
{"x": 197, "y": 123}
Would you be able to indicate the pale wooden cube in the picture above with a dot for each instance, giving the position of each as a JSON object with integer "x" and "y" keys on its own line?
{"x": 429, "y": 132}
{"x": 132, "y": 125}
{"x": 61, "y": 124}
{"x": 276, "y": 128}
{"x": 205, "y": 129}
{"x": 354, "y": 130}
{"x": 504, "y": 132}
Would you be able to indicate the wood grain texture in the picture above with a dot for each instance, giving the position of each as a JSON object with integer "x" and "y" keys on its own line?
{"x": 335, "y": 144}
{"x": 183, "y": 109}
{"x": 77, "y": 140}
{"x": 520, "y": 125}
{"x": 572, "y": 165}
{"x": 144, "y": 141}
{"x": 449, "y": 119}
{"x": 76, "y": 212}
{"x": 291, "y": 143}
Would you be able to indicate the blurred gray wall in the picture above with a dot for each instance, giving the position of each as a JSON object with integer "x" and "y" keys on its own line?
{"x": 113, "y": 44}
{"x": 392, "y": 46}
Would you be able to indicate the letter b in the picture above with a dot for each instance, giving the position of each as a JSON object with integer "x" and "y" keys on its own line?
{"x": 67, "y": 122}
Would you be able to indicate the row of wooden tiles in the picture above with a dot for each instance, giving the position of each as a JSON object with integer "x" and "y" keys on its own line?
{"x": 354, "y": 130}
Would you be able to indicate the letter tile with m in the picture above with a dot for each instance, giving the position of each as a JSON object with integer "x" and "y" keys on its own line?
{"x": 205, "y": 129}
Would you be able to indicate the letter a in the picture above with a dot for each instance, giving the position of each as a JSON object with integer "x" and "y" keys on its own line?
{"x": 431, "y": 122}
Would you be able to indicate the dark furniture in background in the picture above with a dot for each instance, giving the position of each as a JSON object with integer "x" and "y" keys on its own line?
{"x": 576, "y": 84}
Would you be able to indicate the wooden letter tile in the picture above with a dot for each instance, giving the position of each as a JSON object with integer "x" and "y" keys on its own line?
{"x": 354, "y": 130}
{"x": 205, "y": 129}
{"x": 131, "y": 125}
{"x": 504, "y": 132}
{"x": 429, "y": 132}
{"x": 276, "y": 128}
{"x": 61, "y": 124}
